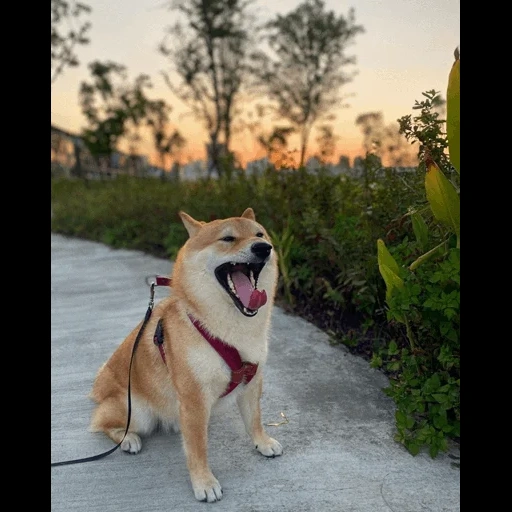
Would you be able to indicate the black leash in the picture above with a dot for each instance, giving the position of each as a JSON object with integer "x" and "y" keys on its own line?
{"x": 135, "y": 344}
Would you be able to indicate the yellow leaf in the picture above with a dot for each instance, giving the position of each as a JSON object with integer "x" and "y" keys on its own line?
{"x": 442, "y": 197}
{"x": 388, "y": 268}
{"x": 453, "y": 113}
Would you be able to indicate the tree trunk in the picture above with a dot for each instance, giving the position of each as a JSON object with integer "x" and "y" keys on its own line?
{"x": 304, "y": 143}
{"x": 213, "y": 160}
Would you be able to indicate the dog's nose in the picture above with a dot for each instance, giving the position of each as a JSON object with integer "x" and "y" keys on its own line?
{"x": 261, "y": 249}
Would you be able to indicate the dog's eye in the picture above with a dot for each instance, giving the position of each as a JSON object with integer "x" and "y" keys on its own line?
{"x": 228, "y": 239}
{"x": 259, "y": 234}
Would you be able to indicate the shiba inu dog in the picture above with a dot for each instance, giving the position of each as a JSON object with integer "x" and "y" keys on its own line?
{"x": 205, "y": 345}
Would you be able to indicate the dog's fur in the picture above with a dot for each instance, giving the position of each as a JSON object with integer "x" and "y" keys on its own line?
{"x": 183, "y": 393}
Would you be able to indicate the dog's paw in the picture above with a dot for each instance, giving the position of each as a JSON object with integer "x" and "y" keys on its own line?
{"x": 270, "y": 448}
{"x": 131, "y": 443}
{"x": 207, "y": 489}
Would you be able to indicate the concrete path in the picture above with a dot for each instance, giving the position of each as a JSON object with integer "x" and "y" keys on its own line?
{"x": 339, "y": 452}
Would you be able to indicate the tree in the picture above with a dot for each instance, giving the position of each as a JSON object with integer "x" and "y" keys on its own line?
{"x": 372, "y": 127}
{"x": 115, "y": 108}
{"x": 344, "y": 163}
{"x": 175, "y": 145}
{"x": 209, "y": 56}
{"x": 273, "y": 140}
{"x": 65, "y": 35}
{"x": 275, "y": 144}
{"x": 306, "y": 66}
{"x": 326, "y": 141}
{"x": 166, "y": 145}
{"x": 386, "y": 141}
{"x": 158, "y": 120}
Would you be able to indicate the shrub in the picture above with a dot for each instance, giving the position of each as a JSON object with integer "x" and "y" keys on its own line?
{"x": 422, "y": 277}
{"x": 323, "y": 226}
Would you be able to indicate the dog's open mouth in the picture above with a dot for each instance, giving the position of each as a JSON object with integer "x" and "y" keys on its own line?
{"x": 240, "y": 280}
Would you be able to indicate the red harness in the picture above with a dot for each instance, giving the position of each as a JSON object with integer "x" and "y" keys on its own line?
{"x": 241, "y": 371}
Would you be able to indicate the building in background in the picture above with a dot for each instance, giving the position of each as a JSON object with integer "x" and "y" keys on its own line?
{"x": 71, "y": 158}
{"x": 69, "y": 155}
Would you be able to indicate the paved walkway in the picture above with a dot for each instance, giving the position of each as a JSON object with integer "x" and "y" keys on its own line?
{"x": 339, "y": 453}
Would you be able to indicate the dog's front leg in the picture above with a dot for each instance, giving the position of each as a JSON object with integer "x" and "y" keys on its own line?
{"x": 194, "y": 418}
{"x": 249, "y": 405}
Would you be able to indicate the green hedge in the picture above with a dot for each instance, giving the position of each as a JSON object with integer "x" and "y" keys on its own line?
{"x": 324, "y": 228}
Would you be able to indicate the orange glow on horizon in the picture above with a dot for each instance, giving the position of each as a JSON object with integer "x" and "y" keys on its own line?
{"x": 244, "y": 158}
{"x": 245, "y": 147}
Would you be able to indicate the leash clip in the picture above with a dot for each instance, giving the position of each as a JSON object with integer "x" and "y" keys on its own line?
{"x": 158, "y": 281}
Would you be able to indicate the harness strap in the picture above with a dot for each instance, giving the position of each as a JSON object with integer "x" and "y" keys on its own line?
{"x": 240, "y": 370}
{"x": 158, "y": 338}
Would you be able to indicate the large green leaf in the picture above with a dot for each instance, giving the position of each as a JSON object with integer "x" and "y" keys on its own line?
{"x": 453, "y": 113}
{"x": 443, "y": 198}
{"x": 388, "y": 268}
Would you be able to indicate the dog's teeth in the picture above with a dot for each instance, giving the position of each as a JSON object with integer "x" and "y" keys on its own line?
{"x": 251, "y": 276}
{"x": 231, "y": 285}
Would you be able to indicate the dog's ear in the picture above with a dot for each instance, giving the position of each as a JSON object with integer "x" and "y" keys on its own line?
{"x": 249, "y": 214}
{"x": 192, "y": 225}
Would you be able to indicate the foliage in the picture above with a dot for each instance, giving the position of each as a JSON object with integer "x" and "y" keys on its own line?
{"x": 326, "y": 141}
{"x": 324, "y": 227}
{"x": 282, "y": 243}
{"x": 115, "y": 108}
{"x": 423, "y": 292}
{"x": 64, "y": 40}
{"x": 426, "y": 129}
{"x": 272, "y": 139}
{"x": 165, "y": 144}
{"x": 306, "y": 64}
{"x": 386, "y": 141}
{"x": 275, "y": 143}
{"x": 425, "y": 369}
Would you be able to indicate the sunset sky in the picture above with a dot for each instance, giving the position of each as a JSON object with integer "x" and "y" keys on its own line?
{"x": 407, "y": 48}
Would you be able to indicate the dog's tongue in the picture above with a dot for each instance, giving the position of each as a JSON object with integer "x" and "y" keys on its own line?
{"x": 250, "y": 297}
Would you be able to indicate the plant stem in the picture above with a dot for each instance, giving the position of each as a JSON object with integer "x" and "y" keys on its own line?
{"x": 410, "y": 335}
